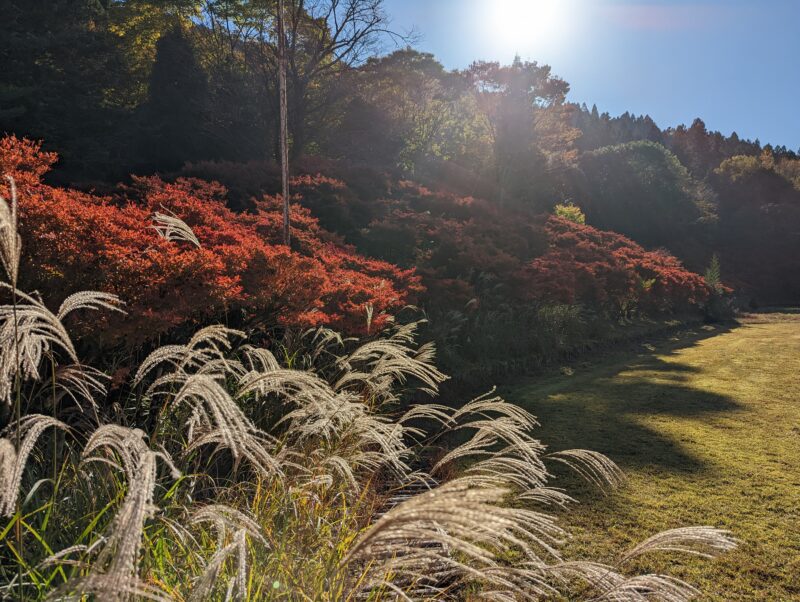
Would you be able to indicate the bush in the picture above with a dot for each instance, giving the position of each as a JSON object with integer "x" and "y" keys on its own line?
{"x": 241, "y": 270}
{"x": 607, "y": 270}
{"x": 474, "y": 254}
{"x": 641, "y": 190}
{"x": 570, "y": 212}
{"x": 719, "y": 306}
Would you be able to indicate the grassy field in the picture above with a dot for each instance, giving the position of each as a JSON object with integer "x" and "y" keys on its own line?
{"x": 707, "y": 427}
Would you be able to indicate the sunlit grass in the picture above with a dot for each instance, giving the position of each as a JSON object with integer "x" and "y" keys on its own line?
{"x": 707, "y": 426}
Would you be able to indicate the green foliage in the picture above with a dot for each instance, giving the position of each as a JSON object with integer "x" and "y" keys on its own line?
{"x": 177, "y": 102}
{"x": 404, "y": 109}
{"x": 736, "y": 168}
{"x": 713, "y": 274}
{"x": 570, "y": 212}
{"x": 719, "y": 306}
{"x": 759, "y": 211}
{"x": 511, "y": 98}
{"x": 63, "y": 66}
{"x": 640, "y": 189}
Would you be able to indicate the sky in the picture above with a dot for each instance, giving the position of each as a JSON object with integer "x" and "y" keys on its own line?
{"x": 733, "y": 63}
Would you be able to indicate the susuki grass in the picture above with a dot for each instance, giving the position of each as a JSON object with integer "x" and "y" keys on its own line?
{"x": 229, "y": 474}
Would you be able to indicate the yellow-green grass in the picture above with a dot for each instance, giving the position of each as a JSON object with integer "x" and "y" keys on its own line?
{"x": 707, "y": 427}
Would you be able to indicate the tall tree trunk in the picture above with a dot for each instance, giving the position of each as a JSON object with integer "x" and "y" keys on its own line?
{"x": 297, "y": 117}
{"x": 284, "y": 130}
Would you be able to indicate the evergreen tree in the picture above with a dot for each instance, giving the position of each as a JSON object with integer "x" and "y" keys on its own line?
{"x": 175, "y": 114}
{"x": 713, "y": 275}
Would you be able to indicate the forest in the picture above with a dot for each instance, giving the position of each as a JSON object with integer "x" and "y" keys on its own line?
{"x": 194, "y": 410}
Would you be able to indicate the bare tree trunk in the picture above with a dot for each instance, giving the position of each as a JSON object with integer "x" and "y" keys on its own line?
{"x": 284, "y": 129}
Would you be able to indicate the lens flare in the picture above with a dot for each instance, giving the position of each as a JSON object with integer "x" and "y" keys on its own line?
{"x": 522, "y": 25}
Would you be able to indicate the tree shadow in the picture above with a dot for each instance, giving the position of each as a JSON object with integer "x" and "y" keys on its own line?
{"x": 603, "y": 408}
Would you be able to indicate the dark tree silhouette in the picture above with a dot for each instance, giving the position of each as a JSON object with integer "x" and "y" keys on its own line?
{"x": 175, "y": 109}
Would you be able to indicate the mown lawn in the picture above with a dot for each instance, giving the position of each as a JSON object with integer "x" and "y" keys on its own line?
{"x": 707, "y": 427}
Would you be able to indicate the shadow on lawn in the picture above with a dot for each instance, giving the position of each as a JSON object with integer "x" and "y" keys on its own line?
{"x": 601, "y": 408}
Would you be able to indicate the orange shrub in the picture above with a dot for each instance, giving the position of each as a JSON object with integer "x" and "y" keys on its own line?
{"x": 78, "y": 241}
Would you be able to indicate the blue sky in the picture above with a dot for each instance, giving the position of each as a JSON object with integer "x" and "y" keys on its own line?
{"x": 734, "y": 63}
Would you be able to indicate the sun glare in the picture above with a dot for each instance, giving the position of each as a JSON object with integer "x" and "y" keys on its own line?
{"x": 519, "y": 25}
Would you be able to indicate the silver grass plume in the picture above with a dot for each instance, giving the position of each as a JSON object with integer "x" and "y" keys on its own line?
{"x": 706, "y": 542}
{"x": 341, "y": 431}
{"x": 337, "y": 432}
{"x": 602, "y": 583}
{"x": 503, "y": 452}
{"x": 198, "y": 370}
{"x": 259, "y": 359}
{"x": 646, "y": 588}
{"x": 457, "y": 535}
{"x": 82, "y": 384}
{"x": 229, "y": 524}
{"x": 297, "y": 387}
{"x": 36, "y": 330}
{"x": 62, "y": 556}
{"x": 12, "y": 462}
{"x": 501, "y": 448}
{"x": 592, "y": 466}
{"x": 208, "y": 346}
{"x": 114, "y": 573}
{"x": 94, "y": 300}
{"x": 170, "y": 227}
{"x": 10, "y": 241}
{"x": 346, "y": 440}
{"x": 322, "y": 343}
{"x": 611, "y": 586}
{"x": 379, "y": 366}
{"x": 217, "y": 419}
{"x": 456, "y": 532}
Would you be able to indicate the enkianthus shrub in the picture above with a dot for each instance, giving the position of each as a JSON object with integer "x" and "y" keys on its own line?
{"x": 604, "y": 269}
{"x": 240, "y": 270}
{"x": 465, "y": 249}
{"x": 253, "y": 478}
{"x": 342, "y": 197}
{"x": 473, "y": 253}
{"x": 454, "y": 242}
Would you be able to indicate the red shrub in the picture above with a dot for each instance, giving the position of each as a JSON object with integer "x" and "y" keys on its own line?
{"x": 464, "y": 248}
{"x": 592, "y": 266}
{"x": 76, "y": 241}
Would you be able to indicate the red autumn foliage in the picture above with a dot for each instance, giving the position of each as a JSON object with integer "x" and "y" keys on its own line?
{"x": 78, "y": 241}
{"x": 461, "y": 246}
{"x": 586, "y": 265}
{"x": 469, "y": 250}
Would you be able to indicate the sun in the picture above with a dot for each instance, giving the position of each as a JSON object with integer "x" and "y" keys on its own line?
{"x": 521, "y": 25}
